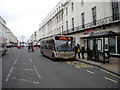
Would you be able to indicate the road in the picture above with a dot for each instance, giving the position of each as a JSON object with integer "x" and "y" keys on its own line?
{"x": 22, "y": 69}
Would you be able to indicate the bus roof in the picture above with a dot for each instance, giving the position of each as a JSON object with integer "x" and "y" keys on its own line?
{"x": 58, "y": 37}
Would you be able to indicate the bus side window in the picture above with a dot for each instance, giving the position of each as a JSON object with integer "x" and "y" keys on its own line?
{"x": 51, "y": 43}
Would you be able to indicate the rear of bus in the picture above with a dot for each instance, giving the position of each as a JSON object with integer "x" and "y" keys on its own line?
{"x": 65, "y": 48}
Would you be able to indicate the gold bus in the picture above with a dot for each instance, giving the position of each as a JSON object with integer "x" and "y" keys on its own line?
{"x": 58, "y": 47}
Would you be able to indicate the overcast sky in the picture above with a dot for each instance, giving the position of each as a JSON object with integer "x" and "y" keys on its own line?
{"x": 24, "y": 16}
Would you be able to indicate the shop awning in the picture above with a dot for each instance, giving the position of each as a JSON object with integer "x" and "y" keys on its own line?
{"x": 103, "y": 34}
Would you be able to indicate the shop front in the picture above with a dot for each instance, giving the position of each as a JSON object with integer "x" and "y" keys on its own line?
{"x": 101, "y": 45}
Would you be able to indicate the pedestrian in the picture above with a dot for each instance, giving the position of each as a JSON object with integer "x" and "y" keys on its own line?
{"x": 75, "y": 50}
{"x": 32, "y": 48}
{"x": 78, "y": 50}
{"x": 28, "y": 48}
{"x": 82, "y": 51}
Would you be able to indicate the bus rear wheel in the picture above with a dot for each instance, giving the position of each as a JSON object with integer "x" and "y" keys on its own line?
{"x": 53, "y": 57}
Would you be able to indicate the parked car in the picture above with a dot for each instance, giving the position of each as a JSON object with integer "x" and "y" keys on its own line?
{"x": 19, "y": 47}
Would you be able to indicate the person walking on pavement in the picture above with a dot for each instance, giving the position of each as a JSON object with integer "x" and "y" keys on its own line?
{"x": 82, "y": 51}
{"x": 32, "y": 48}
{"x": 28, "y": 48}
{"x": 78, "y": 50}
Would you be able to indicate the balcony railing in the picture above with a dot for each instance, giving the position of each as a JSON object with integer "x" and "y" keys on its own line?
{"x": 100, "y": 22}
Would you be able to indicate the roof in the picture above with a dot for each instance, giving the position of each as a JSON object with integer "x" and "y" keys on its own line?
{"x": 103, "y": 34}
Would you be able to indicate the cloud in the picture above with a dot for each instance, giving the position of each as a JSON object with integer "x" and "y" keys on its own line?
{"x": 24, "y": 16}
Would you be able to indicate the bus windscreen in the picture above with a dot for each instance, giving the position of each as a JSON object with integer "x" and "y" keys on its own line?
{"x": 65, "y": 45}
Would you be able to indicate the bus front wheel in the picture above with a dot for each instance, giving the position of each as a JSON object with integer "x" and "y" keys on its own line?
{"x": 53, "y": 57}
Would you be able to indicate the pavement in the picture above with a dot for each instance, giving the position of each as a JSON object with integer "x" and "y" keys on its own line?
{"x": 113, "y": 66}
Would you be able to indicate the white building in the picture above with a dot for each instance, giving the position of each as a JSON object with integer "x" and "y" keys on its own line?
{"x": 2, "y": 26}
{"x": 53, "y": 23}
{"x": 84, "y": 16}
{"x": 80, "y": 18}
{"x": 11, "y": 38}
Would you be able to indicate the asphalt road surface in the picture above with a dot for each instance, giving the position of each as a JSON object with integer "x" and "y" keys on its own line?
{"x": 22, "y": 69}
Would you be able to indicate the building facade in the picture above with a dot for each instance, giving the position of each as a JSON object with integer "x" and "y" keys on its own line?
{"x": 3, "y": 26}
{"x": 83, "y": 18}
{"x": 53, "y": 23}
{"x": 11, "y": 38}
{"x": 80, "y": 18}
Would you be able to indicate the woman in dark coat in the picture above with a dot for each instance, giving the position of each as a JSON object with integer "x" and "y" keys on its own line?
{"x": 78, "y": 50}
{"x": 82, "y": 51}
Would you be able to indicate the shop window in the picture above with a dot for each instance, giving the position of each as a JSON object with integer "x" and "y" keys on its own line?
{"x": 91, "y": 44}
{"x": 99, "y": 42}
{"x": 112, "y": 44}
{"x": 85, "y": 43}
{"x": 118, "y": 41}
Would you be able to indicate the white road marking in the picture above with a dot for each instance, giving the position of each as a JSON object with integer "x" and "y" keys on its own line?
{"x": 12, "y": 68}
{"x": 30, "y": 60}
{"x": 9, "y": 75}
{"x": 26, "y": 80}
{"x": 16, "y": 58}
{"x": 35, "y": 68}
{"x": 110, "y": 73}
{"x": 15, "y": 61}
{"x": 28, "y": 69}
{"x": 110, "y": 79}
{"x": 37, "y": 72}
{"x": 90, "y": 72}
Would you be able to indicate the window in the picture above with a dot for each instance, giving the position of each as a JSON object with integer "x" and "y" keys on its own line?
{"x": 57, "y": 19}
{"x": 82, "y": 3}
{"x": 57, "y": 30}
{"x": 94, "y": 15}
{"x": 91, "y": 44}
{"x": 62, "y": 16}
{"x": 59, "y": 7}
{"x": 72, "y": 6}
{"x": 62, "y": 28}
{"x": 99, "y": 42}
{"x": 115, "y": 10}
{"x": 72, "y": 24}
{"x": 66, "y": 11}
{"x": 118, "y": 44}
{"x": 112, "y": 44}
{"x": 66, "y": 25}
{"x": 83, "y": 20}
